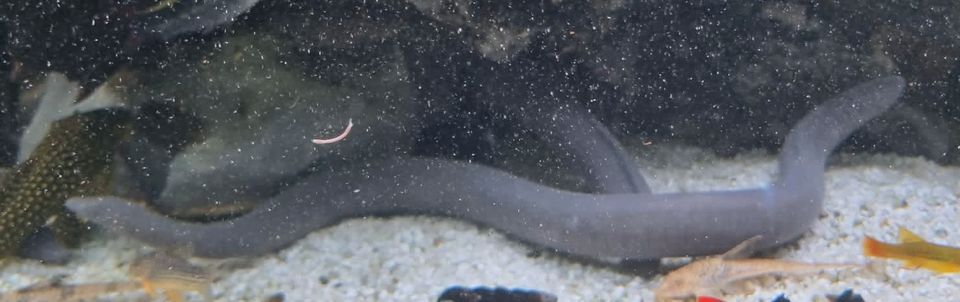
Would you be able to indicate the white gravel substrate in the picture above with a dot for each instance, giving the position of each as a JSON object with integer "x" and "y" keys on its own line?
{"x": 415, "y": 258}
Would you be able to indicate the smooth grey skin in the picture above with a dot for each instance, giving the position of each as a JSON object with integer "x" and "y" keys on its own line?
{"x": 638, "y": 226}
{"x": 245, "y": 158}
{"x": 590, "y": 147}
{"x": 538, "y": 98}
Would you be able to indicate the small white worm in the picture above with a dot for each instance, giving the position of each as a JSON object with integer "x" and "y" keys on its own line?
{"x": 324, "y": 141}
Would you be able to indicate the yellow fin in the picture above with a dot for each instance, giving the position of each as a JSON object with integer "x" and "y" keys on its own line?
{"x": 906, "y": 236}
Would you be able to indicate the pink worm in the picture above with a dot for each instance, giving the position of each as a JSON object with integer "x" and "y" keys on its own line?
{"x": 323, "y": 141}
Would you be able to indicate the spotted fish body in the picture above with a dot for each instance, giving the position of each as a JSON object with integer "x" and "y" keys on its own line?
{"x": 74, "y": 159}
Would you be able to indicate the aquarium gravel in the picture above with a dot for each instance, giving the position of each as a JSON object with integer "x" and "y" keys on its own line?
{"x": 416, "y": 258}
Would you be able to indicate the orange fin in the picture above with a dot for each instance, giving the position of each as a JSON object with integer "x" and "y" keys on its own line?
{"x": 148, "y": 288}
{"x": 906, "y": 236}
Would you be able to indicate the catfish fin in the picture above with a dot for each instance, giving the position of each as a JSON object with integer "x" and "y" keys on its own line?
{"x": 906, "y": 236}
{"x": 743, "y": 250}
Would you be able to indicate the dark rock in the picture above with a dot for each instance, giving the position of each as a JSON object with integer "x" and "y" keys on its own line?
{"x": 846, "y": 296}
{"x": 498, "y": 294}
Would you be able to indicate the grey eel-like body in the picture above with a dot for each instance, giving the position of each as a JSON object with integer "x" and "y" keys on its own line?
{"x": 638, "y": 226}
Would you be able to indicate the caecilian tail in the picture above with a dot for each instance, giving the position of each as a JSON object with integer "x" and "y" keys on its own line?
{"x": 876, "y": 248}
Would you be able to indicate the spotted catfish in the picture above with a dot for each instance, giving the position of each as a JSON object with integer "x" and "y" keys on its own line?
{"x": 74, "y": 159}
{"x": 710, "y": 278}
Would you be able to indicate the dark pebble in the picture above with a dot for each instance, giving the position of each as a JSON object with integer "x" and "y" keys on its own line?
{"x": 498, "y": 294}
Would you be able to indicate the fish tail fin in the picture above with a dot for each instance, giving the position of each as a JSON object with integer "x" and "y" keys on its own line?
{"x": 875, "y": 248}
